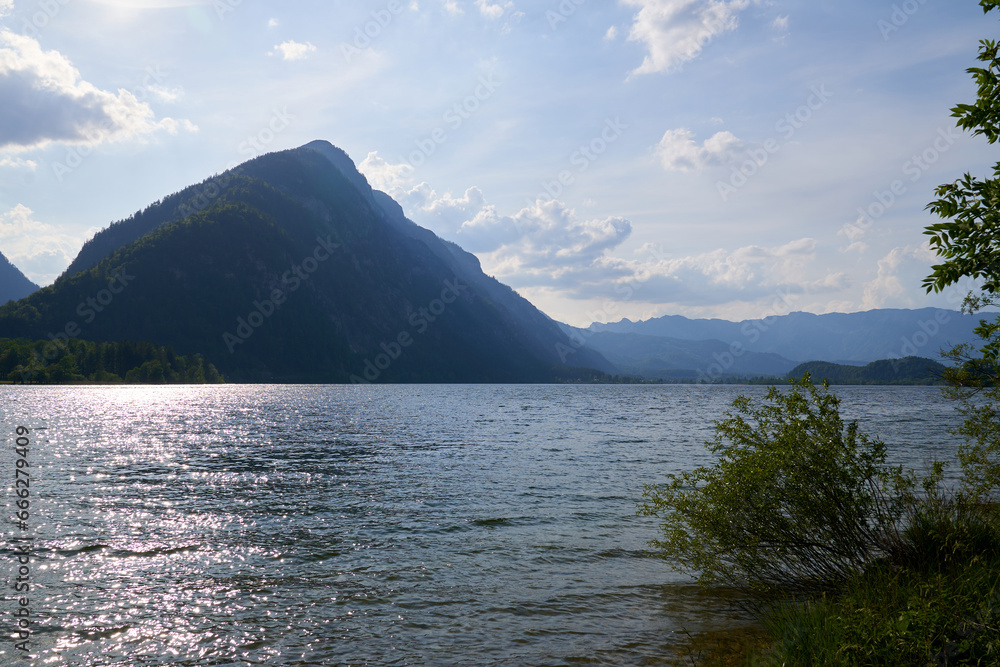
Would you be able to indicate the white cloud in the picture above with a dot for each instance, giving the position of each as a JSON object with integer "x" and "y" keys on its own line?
{"x": 564, "y": 258}
{"x": 17, "y": 163}
{"x": 611, "y": 35}
{"x": 45, "y": 101}
{"x": 272, "y": 23}
{"x": 6, "y": 6}
{"x": 780, "y": 23}
{"x": 452, "y": 7}
{"x": 39, "y": 250}
{"x": 383, "y": 176}
{"x": 749, "y": 279}
{"x": 292, "y": 50}
{"x": 164, "y": 94}
{"x": 676, "y": 31}
{"x": 678, "y": 151}
{"x": 898, "y": 272}
{"x": 538, "y": 245}
{"x": 493, "y": 10}
{"x": 541, "y": 240}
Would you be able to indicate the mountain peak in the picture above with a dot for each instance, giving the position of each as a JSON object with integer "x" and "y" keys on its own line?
{"x": 342, "y": 161}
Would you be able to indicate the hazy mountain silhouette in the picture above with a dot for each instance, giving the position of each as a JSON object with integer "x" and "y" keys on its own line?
{"x": 851, "y": 338}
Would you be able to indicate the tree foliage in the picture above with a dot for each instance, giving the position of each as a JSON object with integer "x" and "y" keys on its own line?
{"x": 75, "y": 361}
{"x": 969, "y": 243}
{"x": 796, "y": 499}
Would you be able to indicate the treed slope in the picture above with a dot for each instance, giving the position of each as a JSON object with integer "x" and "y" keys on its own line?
{"x": 293, "y": 273}
{"x": 13, "y": 284}
{"x": 907, "y": 371}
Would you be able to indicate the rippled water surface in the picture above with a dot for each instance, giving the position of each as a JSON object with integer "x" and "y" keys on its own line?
{"x": 378, "y": 525}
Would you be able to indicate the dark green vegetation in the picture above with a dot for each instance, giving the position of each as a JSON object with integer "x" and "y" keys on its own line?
{"x": 849, "y": 561}
{"x": 290, "y": 268}
{"x": 75, "y": 361}
{"x": 13, "y": 284}
{"x": 908, "y": 371}
{"x": 796, "y": 499}
{"x": 846, "y": 560}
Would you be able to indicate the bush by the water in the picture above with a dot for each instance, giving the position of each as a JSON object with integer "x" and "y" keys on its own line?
{"x": 797, "y": 499}
{"x": 847, "y": 560}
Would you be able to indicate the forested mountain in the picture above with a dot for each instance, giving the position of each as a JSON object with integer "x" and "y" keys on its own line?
{"x": 13, "y": 284}
{"x": 908, "y": 370}
{"x": 291, "y": 268}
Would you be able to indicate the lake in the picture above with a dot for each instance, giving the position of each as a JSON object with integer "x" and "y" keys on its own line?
{"x": 370, "y": 525}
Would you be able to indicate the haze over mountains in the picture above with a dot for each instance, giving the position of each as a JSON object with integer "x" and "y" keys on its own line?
{"x": 677, "y": 347}
{"x": 291, "y": 268}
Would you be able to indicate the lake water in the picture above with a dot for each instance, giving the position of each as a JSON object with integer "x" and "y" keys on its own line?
{"x": 370, "y": 525}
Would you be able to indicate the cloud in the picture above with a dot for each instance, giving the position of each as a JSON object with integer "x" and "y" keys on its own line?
{"x": 17, "y": 163}
{"x": 540, "y": 244}
{"x": 383, "y": 176}
{"x": 676, "y": 31}
{"x": 292, "y": 50}
{"x": 549, "y": 250}
{"x": 543, "y": 239}
{"x": 272, "y": 23}
{"x": 678, "y": 151}
{"x": 39, "y": 250}
{"x": 493, "y": 10}
{"x": 45, "y": 101}
{"x": 780, "y": 23}
{"x": 746, "y": 275}
{"x": 899, "y": 271}
{"x": 5, "y": 7}
{"x": 611, "y": 35}
{"x": 452, "y": 7}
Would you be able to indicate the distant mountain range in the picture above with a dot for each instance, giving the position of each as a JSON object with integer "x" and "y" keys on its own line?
{"x": 14, "y": 285}
{"x": 675, "y": 347}
{"x": 291, "y": 268}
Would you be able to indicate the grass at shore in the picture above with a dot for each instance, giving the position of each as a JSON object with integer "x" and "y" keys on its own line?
{"x": 936, "y": 604}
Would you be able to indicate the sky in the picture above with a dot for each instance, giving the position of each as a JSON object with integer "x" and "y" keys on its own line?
{"x": 634, "y": 158}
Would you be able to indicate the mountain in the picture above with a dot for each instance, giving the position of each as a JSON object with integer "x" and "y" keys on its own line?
{"x": 851, "y": 338}
{"x": 908, "y": 370}
{"x": 14, "y": 285}
{"x": 662, "y": 358}
{"x": 291, "y": 268}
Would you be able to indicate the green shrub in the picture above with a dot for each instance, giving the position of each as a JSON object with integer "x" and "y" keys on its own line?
{"x": 797, "y": 500}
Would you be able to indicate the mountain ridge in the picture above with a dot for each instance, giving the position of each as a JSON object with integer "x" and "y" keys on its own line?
{"x": 14, "y": 284}
{"x": 852, "y": 338}
{"x": 291, "y": 268}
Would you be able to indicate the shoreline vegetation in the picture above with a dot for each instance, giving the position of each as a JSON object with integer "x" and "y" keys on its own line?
{"x": 842, "y": 559}
{"x": 77, "y": 362}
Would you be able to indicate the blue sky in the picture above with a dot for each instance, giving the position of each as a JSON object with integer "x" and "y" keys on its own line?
{"x": 710, "y": 158}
